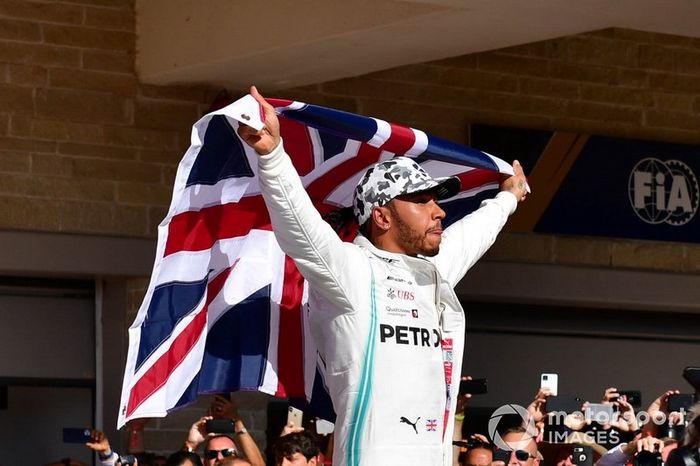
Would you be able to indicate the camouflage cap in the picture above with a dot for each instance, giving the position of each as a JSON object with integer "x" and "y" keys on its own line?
{"x": 391, "y": 178}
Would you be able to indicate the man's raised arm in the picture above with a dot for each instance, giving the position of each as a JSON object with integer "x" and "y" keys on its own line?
{"x": 300, "y": 231}
{"x": 469, "y": 238}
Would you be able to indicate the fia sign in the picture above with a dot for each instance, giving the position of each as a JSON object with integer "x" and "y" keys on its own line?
{"x": 663, "y": 191}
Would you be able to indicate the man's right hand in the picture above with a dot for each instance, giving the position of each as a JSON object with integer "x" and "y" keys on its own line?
{"x": 197, "y": 433}
{"x": 536, "y": 409}
{"x": 268, "y": 138}
{"x": 643, "y": 443}
{"x": 290, "y": 428}
{"x": 99, "y": 443}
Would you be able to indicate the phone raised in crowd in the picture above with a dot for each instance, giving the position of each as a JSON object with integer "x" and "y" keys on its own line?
{"x": 550, "y": 381}
{"x": 295, "y": 416}
{"x": 219, "y": 426}
{"x": 634, "y": 397}
{"x": 680, "y": 401}
{"x": 76, "y": 435}
{"x": 600, "y": 413}
{"x": 568, "y": 404}
{"x": 324, "y": 427}
{"x": 473, "y": 387}
{"x": 582, "y": 455}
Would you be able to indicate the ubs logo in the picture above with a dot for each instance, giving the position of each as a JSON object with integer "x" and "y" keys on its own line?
{"x": 663, "y": 192}
{"x": 395, "y": 293}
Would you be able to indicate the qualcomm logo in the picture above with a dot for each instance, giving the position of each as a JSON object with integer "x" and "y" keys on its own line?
{"x": 527, "y": 422}
{"x": 663, "y": 192}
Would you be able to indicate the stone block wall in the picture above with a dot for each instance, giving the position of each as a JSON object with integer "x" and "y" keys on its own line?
{"x": 84, "y": 147}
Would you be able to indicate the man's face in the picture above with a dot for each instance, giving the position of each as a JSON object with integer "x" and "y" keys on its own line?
{"x": 217, "y": 444}
{"x": 478, "y": 457}
{"x": 523, "y": 443}
{"x": 417, "y": 223}
{"x": 297, "y": 459}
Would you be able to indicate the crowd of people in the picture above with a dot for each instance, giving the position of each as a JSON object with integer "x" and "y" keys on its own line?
{"x": 564, "y": 432}
{"x": 547, "y": 432}
{"x": 222, "y": 439}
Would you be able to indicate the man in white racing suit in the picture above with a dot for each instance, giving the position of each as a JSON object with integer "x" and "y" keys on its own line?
{"x": 382, "y": 309}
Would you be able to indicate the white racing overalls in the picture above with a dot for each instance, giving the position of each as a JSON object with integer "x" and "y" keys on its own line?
{"x": 388, "y": 327}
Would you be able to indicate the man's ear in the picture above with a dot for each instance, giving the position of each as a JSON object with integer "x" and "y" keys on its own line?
{"x": 381, "y": 217}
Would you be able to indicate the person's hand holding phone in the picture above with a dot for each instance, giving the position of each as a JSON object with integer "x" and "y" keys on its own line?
{"x": 626, "y": 420}
{"x": 197, "y": 433}
{"x": 536, "y": 409}
{"x": 610, "y": 395}
{"x": 223, "y": 408}
{"x": 463, "y": 398}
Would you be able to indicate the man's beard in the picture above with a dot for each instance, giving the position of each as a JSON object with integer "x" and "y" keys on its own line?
{"x": 413, "y": 241}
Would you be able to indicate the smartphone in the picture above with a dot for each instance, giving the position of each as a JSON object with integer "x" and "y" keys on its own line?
{"x": 680, "y": 401}
{"x": 600, "y": 413}
{"x": 219, "y": 426}
{"x": 582, "y": 456}
{"x": 568, "y": 404}
{"x": 324, "y": 427}
{"x": 634, "y": 397}
{"x": 473, "y": 387}
{"x": 76, "y": 435}
{"x": 550, "y": 381}
{"x": 295, "y": 416}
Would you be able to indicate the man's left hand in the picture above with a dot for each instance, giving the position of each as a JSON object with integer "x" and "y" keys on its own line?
{"x": 516, "y": 184}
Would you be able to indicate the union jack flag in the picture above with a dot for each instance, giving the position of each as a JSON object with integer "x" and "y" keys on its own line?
{"x": 223, "y": 310}
{"x": 431, "y": 425}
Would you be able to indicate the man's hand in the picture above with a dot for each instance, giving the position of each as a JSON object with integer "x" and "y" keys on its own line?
{"x": 643, "y": 443}
{"x": 659, "y": 407}
{"x": 536, "y": 409}
{"x": 221, "y": 408}
{"x": 265, "y": 140}
{"x": 463, "y": 400}
{"x": 611, "y": 394}
{"x": 627, "y": 421}
{"x": 290, "y": 428}
{"x": 516, "y": 184}
{"x": 657, "y": 411}
{"x": 197, "y": 433}
{"x": 99, "y": 443}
